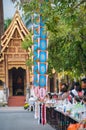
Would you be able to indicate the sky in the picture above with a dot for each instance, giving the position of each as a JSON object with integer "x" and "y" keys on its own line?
{"x": 9, "y": 9}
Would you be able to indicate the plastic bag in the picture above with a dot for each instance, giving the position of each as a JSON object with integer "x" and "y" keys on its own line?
{"x": 82, "y": 125}
{"x": 78, "y": 126}
{"x": 73, "y": 126}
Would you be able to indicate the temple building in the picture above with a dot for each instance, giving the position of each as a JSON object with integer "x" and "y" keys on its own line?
{"x": 14, "y": 74}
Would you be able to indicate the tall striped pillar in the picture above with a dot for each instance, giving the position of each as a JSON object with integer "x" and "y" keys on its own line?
{"x": 40, "y": 57}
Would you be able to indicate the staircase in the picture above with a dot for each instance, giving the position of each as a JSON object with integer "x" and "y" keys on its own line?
{"x": 16, "y": 101}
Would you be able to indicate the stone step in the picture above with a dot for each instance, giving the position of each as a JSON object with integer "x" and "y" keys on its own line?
{"x": 16, "y": 101}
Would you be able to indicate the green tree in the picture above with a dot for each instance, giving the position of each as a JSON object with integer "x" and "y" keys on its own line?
{"x": 27, "y": 44}
{"x": 69, "y": 34}
{"x": 66, "y": 23}
{"x": 7, "y": 23}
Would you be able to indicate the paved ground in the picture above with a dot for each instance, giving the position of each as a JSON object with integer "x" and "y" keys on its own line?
{"x": 13, "y": 118}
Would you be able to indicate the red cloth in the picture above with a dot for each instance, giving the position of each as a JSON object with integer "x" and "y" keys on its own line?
{"x": 43, "y": 114}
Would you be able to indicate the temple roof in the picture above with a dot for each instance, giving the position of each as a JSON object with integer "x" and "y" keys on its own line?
{"x": 16, "y": 24}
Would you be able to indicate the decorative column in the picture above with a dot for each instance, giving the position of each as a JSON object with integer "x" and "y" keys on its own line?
{"x": 36, "y": 40}
{"x": 40, "y": 79}
{"x": 43, "y": 57}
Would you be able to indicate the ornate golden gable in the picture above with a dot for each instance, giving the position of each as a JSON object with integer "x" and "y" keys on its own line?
{"x": 11, "y": 33}
{"x": 13, "y": 56}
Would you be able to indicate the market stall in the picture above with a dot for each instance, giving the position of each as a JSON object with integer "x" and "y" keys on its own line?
{"x": 58, "y": 119}
{"x": 61, "y": 115}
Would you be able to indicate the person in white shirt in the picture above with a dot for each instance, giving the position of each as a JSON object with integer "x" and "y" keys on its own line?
{"x": 32, "y": 102}
{"x": 77, "y": 90}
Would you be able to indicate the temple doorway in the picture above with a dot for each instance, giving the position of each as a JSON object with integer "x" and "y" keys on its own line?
{"x": 17, "y": 78}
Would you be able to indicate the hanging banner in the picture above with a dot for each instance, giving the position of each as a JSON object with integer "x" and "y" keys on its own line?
{"x": 36, "y": 80}
{"x": 42, "y": 81}
{"x": 42, "y": 56}
{"x": 41, "y": 22}
{"x": 43, "y": 44}
{"x": 35, "y": 68}
{"x": 42, "y": 93}
{"x": 35, "y": 55}
{"x": 35, "y": 46}
{"x": 36, "y": 19}
{"x": 42, "y": 68}
{"x": 43, "y": 114}
{"x": 36, "y": 91}
{"x": 43, "y": 33}
{"x": 36, "y": 30}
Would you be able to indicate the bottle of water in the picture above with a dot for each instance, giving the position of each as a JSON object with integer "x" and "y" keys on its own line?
{"x": 64, "y": 108}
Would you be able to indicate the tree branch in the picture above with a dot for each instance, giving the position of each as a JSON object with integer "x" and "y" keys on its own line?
{"x": 83, "y": 1}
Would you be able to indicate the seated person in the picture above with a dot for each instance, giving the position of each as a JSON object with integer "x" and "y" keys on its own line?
{"x": 64, "y": 92}
{"x": 84, "y": 100}
{"x": 76, "y": 99}
{"x": 76, "y": 91}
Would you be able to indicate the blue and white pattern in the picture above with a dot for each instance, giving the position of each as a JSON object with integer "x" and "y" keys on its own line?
{"x": 40, "y": 53}
{"x": 42, "y": 56}
{"x": 42, "y": 81}
{"x": 43, "y": 44}
{"x": 42, "y": 68}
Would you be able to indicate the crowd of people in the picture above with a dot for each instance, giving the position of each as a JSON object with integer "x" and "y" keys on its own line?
{"x": 75, "y": 93}
{"x": 73, "y": 98}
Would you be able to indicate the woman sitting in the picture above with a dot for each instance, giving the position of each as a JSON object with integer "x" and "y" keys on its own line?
{"x": 64, "y": 92}
{"x": 76, "y": 91}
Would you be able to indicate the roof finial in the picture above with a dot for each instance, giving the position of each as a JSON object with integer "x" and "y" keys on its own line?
{"x": 17, "y": 6}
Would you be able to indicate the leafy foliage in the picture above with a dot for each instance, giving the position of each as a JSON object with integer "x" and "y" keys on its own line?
{"x": 7, "y": 23}
{"x": 66, "y": 23}
{"x": 27, "y": 44}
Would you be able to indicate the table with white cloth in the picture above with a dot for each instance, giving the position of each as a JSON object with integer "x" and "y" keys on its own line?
{"x": 58, "y": 119}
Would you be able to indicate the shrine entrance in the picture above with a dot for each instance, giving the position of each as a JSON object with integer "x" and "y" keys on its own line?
{"x": 17, "y": 78}
{"x": 13, "y": 70}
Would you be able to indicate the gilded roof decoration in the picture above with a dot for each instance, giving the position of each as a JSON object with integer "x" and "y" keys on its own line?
{"x": 16, "y": 24}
